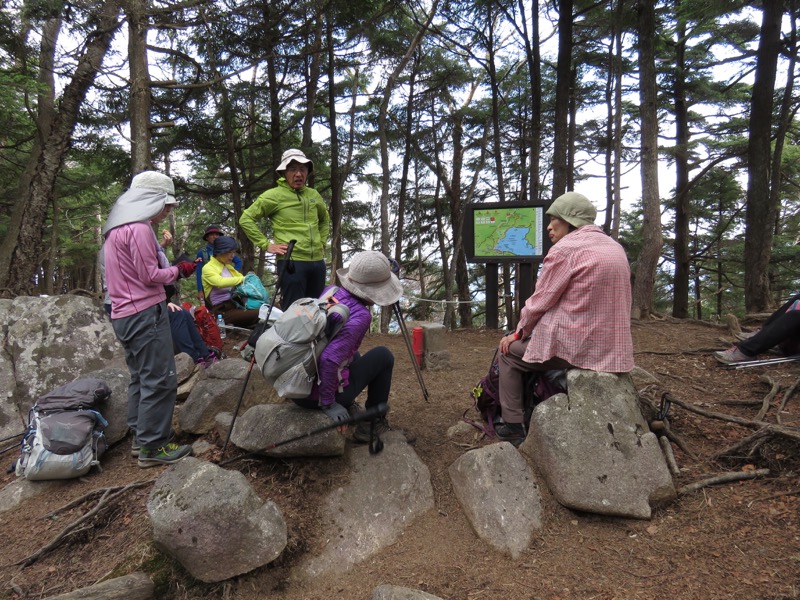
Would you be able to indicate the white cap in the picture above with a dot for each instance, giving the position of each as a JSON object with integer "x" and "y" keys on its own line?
{"x": 153, "y": 180}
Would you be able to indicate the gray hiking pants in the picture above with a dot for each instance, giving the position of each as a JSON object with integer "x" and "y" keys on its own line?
{"x": 147, "y": 341}
{"x": 512, "y": 372}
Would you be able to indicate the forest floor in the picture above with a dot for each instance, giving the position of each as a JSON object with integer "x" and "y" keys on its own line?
{"x": 734, "y": 540}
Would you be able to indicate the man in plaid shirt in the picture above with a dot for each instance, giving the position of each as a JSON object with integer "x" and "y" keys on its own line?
{"x": 579, "y": 315}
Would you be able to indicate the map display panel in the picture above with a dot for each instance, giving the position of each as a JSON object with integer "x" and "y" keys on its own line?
{"x": 508, "y": 232}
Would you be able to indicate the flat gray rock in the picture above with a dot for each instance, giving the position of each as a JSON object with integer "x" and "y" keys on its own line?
{"x": 267, "y": 424}
{"x": 385, "y": 493}
{"x": 395, "y": 592}
{"x": 498, "y": 492}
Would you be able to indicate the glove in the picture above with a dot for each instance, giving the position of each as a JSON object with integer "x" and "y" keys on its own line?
{"x": 336, "y": 412}
{"x": 185, "y": 268}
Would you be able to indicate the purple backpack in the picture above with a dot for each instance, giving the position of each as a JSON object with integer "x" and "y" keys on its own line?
{"x": 486, "y": 395}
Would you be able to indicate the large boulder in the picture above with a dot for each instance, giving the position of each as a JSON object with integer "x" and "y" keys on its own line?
{"x": 219, "y": 391}
{"x": 267, "y": 424}
{"x": 596, "y": 451}
{"x": 115, "y": 408}
{"x": 49, "y": 341}
{"x": 498, "y": 492}
{"x": 195, "y": 507}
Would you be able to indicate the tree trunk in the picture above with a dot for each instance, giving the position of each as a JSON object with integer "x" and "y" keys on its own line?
{"x": 563, "y": 81}
{"x": 19, "y": 251}
{"x": 335, "y": 208}
{"x": 139, "y": 104}
{"x": 761, "y": 204}
{"x": 651, "y": 227}
{"x": 680, "y": 282}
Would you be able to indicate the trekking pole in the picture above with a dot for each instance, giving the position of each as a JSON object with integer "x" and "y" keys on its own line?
{"x": 763, "y": 362}
{"x": 288, "y": 255}
{"x": 11, "y": 437}
{"x": 369, "y": 414}
{"x": 404, "y": 330}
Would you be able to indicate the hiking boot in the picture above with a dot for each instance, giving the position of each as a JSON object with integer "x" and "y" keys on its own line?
{"x": 511, "y": 432}
{"x": 731, "y": 356}
{"x": 136, "y": 448}
{"x": 362, "y": 431}
{"x": 165, "y": 455}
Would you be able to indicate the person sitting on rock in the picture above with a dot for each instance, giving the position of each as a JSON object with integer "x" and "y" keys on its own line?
{"x": 781, "y": 329}
{"x": 343, "y": 373}
{"x": 578, "y": 316}
{"x": 219, "y": 277}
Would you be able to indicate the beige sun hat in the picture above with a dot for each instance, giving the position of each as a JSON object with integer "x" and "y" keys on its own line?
{"x": 293, "y": 154}
{"x": 153, "y": 180}
{"x": 370, "y": 277}
{"x": 574, "y": 208}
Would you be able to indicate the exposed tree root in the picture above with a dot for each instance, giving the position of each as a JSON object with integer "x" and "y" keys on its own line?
{"x": 786, "y": 397}
{"x": 774, "y": 388}
{"x": 724, "y": 478}
{"x": 107, "y": 496}
{"x": 747, "y": 446}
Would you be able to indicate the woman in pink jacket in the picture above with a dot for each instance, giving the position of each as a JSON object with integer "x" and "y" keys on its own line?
{"x": 579, "y": 314}
{"x": 136, "y": 283}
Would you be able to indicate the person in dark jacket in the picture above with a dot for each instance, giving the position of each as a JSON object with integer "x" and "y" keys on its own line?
{"x": 781, "y": 330}
{"x": 343, "y": 373}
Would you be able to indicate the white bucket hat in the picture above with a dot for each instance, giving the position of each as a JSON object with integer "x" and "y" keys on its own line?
{"x": 153, "y": 180}
{"x": 370, "y": 277}
{"x": 293, "y": 154}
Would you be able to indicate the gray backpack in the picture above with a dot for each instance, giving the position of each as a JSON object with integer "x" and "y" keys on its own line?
{"x": 287, "y": 353}
{"x": 65, "y": 436}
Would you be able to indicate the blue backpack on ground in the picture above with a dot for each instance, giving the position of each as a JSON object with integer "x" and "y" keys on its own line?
{"x": 251, "y": 293}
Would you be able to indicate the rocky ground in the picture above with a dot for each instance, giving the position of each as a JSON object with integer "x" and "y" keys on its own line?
{"x": 733, "y": 540}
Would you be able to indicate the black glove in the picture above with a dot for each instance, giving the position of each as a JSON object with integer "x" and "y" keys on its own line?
{"x": 336, "y": 412}
{"x": 186, "y": 268}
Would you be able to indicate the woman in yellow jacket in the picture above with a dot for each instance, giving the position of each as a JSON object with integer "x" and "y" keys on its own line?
{"x": 219, "y": 277}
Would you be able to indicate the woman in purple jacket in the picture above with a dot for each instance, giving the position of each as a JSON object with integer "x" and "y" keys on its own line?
{"x": 343, "y": 373}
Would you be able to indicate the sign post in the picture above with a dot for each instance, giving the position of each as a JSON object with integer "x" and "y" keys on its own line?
{"x": 504, "y": 232}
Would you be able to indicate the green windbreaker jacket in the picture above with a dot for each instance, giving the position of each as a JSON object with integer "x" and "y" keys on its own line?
{"x": 296, "y": 215}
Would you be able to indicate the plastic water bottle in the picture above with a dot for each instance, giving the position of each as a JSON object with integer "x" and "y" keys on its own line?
{"x": 221, "y": 325}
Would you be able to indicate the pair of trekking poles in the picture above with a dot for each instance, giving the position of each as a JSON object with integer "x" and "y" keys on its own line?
{"x": 372, "y": 414}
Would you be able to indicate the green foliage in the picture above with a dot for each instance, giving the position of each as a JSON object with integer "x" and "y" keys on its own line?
{"x": 250, "y": 80}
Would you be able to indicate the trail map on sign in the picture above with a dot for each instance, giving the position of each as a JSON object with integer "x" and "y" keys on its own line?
{"x": 508, "y": 231}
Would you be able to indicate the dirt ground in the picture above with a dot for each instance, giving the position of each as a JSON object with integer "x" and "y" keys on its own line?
{"x": 733, "y": 540}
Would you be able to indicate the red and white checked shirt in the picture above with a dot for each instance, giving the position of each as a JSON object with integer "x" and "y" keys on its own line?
{"x": 581, "y": 308}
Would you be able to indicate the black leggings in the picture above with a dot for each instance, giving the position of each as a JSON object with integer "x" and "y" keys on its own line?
{"x": 373, "y": 371}
{"x": 782, "y": 329}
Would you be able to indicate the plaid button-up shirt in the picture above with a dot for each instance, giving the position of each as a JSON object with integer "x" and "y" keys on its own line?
{"x": 580, "y": 310}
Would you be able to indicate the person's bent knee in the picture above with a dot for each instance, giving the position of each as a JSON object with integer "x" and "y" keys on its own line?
{"x": 383, "y": 354}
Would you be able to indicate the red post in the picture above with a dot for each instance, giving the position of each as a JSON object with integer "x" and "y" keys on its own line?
{"x": 418, "y": 336}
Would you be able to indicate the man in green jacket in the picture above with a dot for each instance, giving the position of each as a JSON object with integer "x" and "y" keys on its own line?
{"x": 297, "y": 212}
